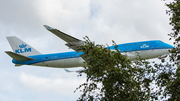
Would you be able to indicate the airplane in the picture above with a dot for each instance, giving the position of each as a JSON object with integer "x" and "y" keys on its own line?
{"x": 24, "y": 54}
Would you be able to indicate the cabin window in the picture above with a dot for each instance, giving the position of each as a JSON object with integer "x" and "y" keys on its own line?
{"x": 130, "y": 44}
{"x": 148, "y": 42}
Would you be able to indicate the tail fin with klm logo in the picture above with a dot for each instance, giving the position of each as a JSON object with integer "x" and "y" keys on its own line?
{"x": 20, "y": 47}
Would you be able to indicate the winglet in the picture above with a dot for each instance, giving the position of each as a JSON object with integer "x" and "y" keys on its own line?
{"x": 67, "y": 70}
{"x": 48, "y": 27}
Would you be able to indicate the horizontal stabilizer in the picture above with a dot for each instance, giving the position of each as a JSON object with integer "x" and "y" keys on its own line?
{"x": 18, "y": 57}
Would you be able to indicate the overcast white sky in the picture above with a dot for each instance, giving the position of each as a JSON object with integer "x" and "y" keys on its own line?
{"x": 102, "y": 20}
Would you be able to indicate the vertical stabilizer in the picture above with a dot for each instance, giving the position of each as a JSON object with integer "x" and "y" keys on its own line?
{"x": 20, "y": 47}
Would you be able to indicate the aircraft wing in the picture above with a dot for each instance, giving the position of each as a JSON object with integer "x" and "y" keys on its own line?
{"x": 74, "y": 71}
{"x": 72, "y": 42}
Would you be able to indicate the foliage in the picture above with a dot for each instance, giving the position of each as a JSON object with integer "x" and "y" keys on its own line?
{"x": 112, "y": 77}
{"x": 172, "y": 75}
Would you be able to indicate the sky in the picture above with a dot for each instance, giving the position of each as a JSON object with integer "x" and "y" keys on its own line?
{"x": 101, "y": 20}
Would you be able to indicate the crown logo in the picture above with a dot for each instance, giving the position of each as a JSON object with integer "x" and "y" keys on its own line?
{"x": 22, "y": 46}
{"x": 144, "y": 46}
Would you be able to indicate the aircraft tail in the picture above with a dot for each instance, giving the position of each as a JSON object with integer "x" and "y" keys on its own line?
{"x": 20, "y": 47}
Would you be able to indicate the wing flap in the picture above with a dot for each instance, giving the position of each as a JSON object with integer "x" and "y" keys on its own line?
{"x": 18, "y": 57}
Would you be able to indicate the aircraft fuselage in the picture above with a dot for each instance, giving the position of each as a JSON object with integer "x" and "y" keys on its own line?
{"x": 144, "y": 49}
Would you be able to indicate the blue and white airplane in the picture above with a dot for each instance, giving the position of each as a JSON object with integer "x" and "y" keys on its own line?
{"x": 24, "y": 54}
